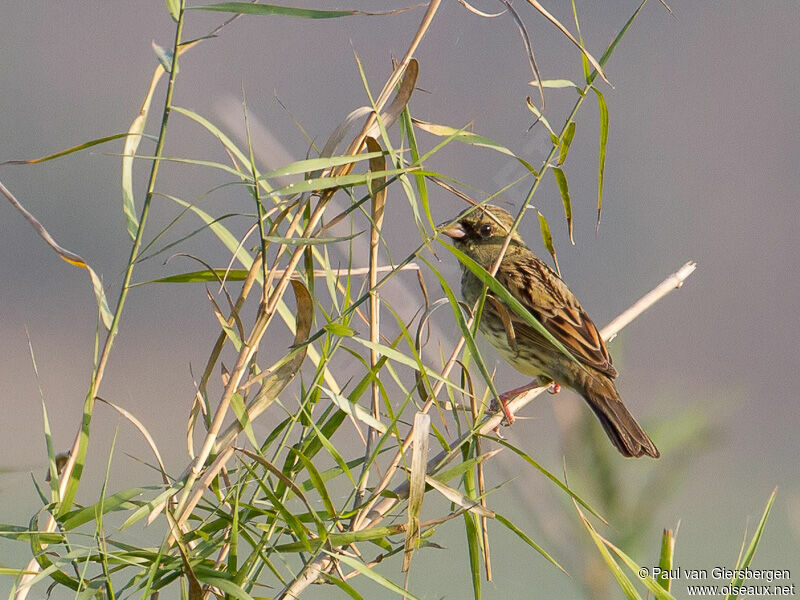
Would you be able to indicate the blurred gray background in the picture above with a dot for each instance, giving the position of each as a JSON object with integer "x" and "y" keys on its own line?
{"x": 702, "y": 164}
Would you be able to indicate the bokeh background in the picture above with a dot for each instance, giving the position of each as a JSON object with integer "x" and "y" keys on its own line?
{"x": 702, "y": 165}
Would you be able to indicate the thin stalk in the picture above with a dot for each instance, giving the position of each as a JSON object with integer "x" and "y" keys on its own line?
{"x": 99, "y": 371}
{"x": 377, "y": 211}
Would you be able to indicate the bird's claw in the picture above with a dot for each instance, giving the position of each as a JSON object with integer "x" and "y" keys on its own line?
{"x": 496, "y": 431}
{"x": 501, "y": 404}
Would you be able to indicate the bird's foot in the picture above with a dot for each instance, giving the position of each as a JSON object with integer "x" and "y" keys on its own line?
{"x": 508, "y": 418}
{"x": 506, "y": 397}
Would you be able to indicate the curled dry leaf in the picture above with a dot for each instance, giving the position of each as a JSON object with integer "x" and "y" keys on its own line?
{"x": 65, "y": 255}
{"x": 280, "y": 377}
{"x": 388, "y": 117}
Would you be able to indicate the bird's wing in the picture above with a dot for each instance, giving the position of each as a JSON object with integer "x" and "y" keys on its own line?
{"x": 548, "y": 298}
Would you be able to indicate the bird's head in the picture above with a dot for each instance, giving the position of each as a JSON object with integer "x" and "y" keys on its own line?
{"x": 481, "y": 229}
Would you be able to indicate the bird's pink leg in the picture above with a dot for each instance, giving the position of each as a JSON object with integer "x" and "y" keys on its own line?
{"x": 508, "y": 396}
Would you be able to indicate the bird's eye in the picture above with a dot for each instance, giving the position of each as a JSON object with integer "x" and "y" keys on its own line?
{"x": 486, "y": 230}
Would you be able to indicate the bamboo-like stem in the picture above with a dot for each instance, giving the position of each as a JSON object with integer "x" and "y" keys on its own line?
{"x": 379, "y": 511}
{"x": 670, "y": 283}
{"x": 376, "y": 215}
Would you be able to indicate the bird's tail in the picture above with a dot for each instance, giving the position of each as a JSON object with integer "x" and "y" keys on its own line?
{"x": 620, "y": 426}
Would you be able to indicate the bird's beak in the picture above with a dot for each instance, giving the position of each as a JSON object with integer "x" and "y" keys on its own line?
{"x": 455, "y": 231}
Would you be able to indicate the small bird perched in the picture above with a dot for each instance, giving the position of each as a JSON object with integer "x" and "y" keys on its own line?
{"x": 480, "y": 233}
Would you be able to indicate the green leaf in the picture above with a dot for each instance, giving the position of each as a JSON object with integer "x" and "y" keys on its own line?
{"x": 344, "y": 586}
{"x": 205, "y": 276}
{"x": 561, "y": 180}
{"x": 198, "y": 163}
{"x": 665, "y": 558}
{"x": 521, "y": 534}
{"x": 334, "y": 421}
{"x": 248, "y": 8}
{"x": 326, "y": 183}
{"x": 78, "y": 148}
{"x": 371, "y": 574}
{"x": 52, "y": 460}
{"x": 346, "y": 538}
{"x": 12, "y": 572}
{"x": 474, "y": 552}
{"x": 397, "y": 356}
{"x": 216, "y": 132}
{"x": 222, "y": 232}
{"x": 340, "y": 329}
{"x": 332, "y": 473}
{"x": 297, "y": 527}
{"x": 624, "y": 583}
{"x": 468, "y": 137}
{"x": 751, "y": 549}
{"x": 230, "y": 332}
{"x": 118, "y": 501}
{"x": 74, "y": 480}
{"x": 309, "y": 165}
{"x": 16, "y": 532}
{"x": 463, "y": 466}
{"x": 218, "y": 579}
{"x": 146, "y": 509}
{"x": 650, "y": 583}
{"x": 318, "y": 482}
{"x": 547, "y": 239}
{"x": 616, "y": 40}
{"x": 584, "y": 61}
{"x": 353, "y": 409}
{"x": 566, "y": 140}
{"x": 174, "y": 8}
{"x": 601, "y": 168}
{"x": 240, "y": 410}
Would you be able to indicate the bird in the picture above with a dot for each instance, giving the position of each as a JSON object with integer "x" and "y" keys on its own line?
{"x": 480, "y": 232}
